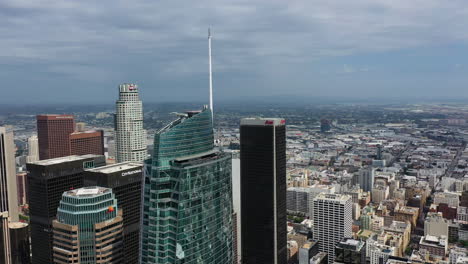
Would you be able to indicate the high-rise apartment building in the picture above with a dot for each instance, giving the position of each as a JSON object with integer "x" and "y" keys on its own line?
{"x": 8, "y": 191}
{"x": 332, "y": 221}
{"x": 48, "y": 180}
{"x": 126, "y": 180}
{"x": 263, "y": 182}
{"x": 129, "y": 133}
{"x": 87, "y": 142}
{"x": 187, "y": 215}
{"x": 88, "y": 228}
{"x": 366, "y": 179}
{"x": 33, "y": 149}
{"x": 53, "y": 132}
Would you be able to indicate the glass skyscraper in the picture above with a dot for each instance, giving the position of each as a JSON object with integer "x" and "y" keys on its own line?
{"x": 188, "y": 210}
{"x": 88, "y": 228}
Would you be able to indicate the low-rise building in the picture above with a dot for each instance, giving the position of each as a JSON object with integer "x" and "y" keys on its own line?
{"x": 436, "y": 246}
{"x": 450, "y": 198}
{"x": 406, "y": 213}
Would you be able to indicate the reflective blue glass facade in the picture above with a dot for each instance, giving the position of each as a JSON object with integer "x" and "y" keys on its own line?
{"x": 187, "y": 197}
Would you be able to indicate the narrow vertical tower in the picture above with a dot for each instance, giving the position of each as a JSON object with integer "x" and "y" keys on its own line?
{"x": 8, "y": 196}
{"x": 263, "y": 163}
{"x": 211, "y": 74}
{"x": 130, "y": 137}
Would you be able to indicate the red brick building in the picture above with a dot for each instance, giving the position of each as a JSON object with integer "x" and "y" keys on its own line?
{"x": 88, "y": 142}
{"x": 57, "y": 138}
{"x": 53, "y": 133}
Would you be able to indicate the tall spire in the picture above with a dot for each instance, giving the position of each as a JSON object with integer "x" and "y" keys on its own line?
{"x": 210, "y": 70}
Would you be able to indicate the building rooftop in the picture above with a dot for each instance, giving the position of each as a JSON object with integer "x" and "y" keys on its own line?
{"x": 17, "y": 225}
{"x": 84, "y": 132}
{"x": 319, "y": 256}
{"x": 88, "y": 191}
{"x": 333, "y": 197}
{"x": 117, "y": 167}
{"x": 433, "y": 241}
{"x": 63, "y": 159}
{"x": 309, "y": 244}
{"x": 260, "y": 121}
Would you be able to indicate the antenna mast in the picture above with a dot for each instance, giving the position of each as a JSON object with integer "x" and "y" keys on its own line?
{"x": 211, "y": 74}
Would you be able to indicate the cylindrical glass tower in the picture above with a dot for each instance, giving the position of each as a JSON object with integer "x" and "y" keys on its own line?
{"x": 88, "y": 228}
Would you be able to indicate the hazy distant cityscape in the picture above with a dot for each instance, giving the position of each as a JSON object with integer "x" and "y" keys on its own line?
{"x": 404, "y": 167}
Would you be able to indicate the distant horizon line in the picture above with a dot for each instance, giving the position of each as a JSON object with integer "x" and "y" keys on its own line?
{"x": 270, "y": 99}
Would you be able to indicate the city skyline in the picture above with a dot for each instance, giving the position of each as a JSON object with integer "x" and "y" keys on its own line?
{"x": 362, "y": 49}
{"x": 336, "y": 132}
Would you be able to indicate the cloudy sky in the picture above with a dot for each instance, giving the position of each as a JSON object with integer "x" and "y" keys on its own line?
{"x": 80, "y": 50}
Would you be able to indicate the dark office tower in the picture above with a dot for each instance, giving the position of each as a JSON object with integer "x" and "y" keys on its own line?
{"x": 87, "y": 142}
{"x": 379, "y": 152}
{"x": 47, "y": 180}
{"x": 53, "y": 132}
{"x": 4, "y": 238}
{"x": 350, "y": 251}
{"x": 187, "y": 213}
{"x": 125, "y": 179}
{"x": 325, "y": 125}
{"x": 263, "y": 190}
{"x": 20, "y": 247}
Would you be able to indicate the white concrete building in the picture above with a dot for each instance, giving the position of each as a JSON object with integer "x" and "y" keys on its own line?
{"x": 380, "y": 193}
{"x": 456, "y": 253}
{"x": 8, "y": 190}
{"x": 301, "y": 199}
{"x": 435, "y": 225}
{"x": 462, "y": 213}
{"x": 332, "y": 221}
{"x": 129, "y": 133}
{"x": 450, "y": 198}
{"x": 33, "y": 149}
{"x": 379, "y": 253}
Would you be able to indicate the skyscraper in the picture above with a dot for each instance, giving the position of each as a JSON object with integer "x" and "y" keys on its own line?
{"x": 57, "y": 138}
{"x": 332, "y": 221}
{"x": 88, "y": 229}
{"x": 33, "y": 149}
{"x": 8, "y": 188}
{"x": 8, "y": 191}
{"x": 87, "y": 142}
{"x": 48, "y": 179}
{"x": 126, "y": 180}
{"x": 20, "y": 246}
{"x": 263, "y": 182}
{"x": 129, "y": 133}
{"x": 366, "y": 178}
{"x": 53, "y": 132}
{"x": 187, "y": 215}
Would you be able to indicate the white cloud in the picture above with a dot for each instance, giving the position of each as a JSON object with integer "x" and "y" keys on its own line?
{"x": 257, "y": 36}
